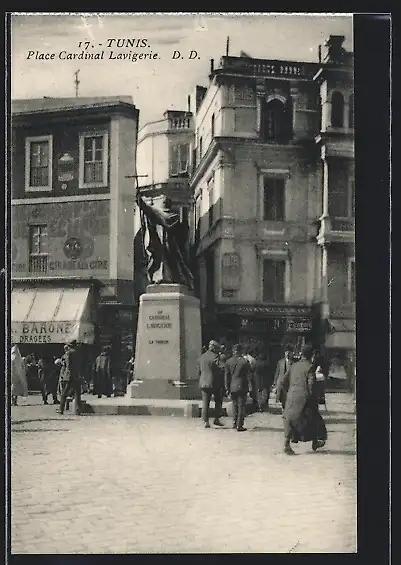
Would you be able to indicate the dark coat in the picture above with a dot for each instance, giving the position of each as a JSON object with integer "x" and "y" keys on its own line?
{"x": 102, "y": 381}
{"x": 209, "y": 371}
{"x": 301, "y": 413}
{"x": 263, "y": 377}
{"x": 237, "y": 371}
{"x": 70, "y": 368}
{"x": 280, "y": 382}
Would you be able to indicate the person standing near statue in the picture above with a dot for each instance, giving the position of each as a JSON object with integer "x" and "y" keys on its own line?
{"x": 237, "y": 374}
{"x": 211, "y": 382}
{"x": 102, "y": 378}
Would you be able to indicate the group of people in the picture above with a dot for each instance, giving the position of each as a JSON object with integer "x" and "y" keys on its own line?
{"x": 60, "y": 377}
{"x": 298, "y": 385}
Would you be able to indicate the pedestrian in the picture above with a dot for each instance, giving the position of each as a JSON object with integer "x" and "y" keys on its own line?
{"x": 32, "y": 375}
{"x": 237, "y": 371}
{"x": 263, "y": 380}
{"x": 19, "y": 385}
{"x": 251, "y": 358}
{"x": 47, "y": 380}
{"x": 102, "y": 375}
{"x": 283, "y": 365}
{"x": 211, "y": 383}
{"x": 319, "y": 368}
{"x": 302, "y": 420}
{"x": 70, "y": 379}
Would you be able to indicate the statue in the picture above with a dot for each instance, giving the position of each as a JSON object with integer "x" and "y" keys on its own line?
{"x": 164, "y": 239}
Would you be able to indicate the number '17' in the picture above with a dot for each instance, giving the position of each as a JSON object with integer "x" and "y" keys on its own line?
{"x": 86, "y": 43}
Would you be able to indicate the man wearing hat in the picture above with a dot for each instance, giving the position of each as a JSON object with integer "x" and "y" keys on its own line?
{"x": 302, "y": 420}
{"x": 211, "y": 382}
{"x": 282, "y": 367}
{"x": 69, "y": 377}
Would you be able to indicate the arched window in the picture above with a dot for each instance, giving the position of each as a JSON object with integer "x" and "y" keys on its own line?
{"x": 276, "y": 121}
{"x": 351, "y": 111}
{"x": 337, "y": 110}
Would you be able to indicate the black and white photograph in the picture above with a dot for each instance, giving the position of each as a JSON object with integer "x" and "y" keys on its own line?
{"x": 182, "y": 345}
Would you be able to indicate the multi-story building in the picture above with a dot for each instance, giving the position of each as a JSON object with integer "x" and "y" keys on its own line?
{"x": 336, "y": 237}
{"x": 259, "y": 185}
{"x": 163, "y": 165}
{"x": 72, "y": 223}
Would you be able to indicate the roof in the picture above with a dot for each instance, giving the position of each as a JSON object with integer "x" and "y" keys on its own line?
{"x": 38, "y": 105}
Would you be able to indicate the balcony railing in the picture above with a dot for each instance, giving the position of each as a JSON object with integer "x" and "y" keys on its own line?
{"x": 38, "y": 264}
{"x": 180, "y": 123}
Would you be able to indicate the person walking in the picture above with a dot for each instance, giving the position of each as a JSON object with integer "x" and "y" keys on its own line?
{"x": 210, "y": 383}
{"x": 263, "y": 381}
{"x": 70, "y": 379}
{"x": 302, "y": 420}
{"x": 253, "y": 392}
{"x": 19, "y": 385}
{"x": 237, "y": 372}
{"x": 47, "y": 380}
{"x": 102, "y": 378}
{"x": 283, "y": 365}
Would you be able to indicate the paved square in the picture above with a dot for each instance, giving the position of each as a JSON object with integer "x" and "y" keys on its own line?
{"x": 139, "y": 484}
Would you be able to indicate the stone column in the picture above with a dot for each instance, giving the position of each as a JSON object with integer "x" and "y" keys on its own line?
{"x": 260, "y": 95}
{"x": 296, "y": 123}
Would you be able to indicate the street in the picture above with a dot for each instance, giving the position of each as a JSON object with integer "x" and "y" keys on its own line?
{"x": 159, "y": 484}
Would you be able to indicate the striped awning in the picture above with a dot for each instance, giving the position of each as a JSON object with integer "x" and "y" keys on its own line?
{"x": 51, "y": 315}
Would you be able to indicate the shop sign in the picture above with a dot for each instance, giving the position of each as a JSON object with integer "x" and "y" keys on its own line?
{"x": 230, "y": 271}
{"x": 267, "y": 310}
{"x": 299, "y": 325}
{"x": 51, "y": 332}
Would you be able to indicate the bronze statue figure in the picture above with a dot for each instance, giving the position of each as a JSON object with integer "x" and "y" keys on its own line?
{"x": 165, "y": 243}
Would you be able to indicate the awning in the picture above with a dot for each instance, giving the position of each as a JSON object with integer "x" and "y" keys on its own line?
{"x": 51, "y": 315}
{"x": 342, "y": 334}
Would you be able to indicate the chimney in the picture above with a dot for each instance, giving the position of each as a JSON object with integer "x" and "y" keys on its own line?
{"x": 320, "y": 53}
{"x": 211, "y": 66}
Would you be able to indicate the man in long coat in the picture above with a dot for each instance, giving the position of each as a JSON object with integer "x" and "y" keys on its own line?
{"x": 237, "y": 371}
{"x": 102, "y": 378}
{"x": 70, "y": 378}
{"x": 211, "y": 382}
{"x": 302, "y": 420}
{"x": 279, "y": 384}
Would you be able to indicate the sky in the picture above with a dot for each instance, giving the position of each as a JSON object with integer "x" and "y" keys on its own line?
{"x": 162, "y": 83}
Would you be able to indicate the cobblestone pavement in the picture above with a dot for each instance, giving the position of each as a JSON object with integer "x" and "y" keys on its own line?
{"x": 139, "y": 484}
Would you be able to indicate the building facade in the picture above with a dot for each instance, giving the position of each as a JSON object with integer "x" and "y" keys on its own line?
{"x": 72, "y": 224}
{"x": 259, "y": 188}
{"x": 163, "y": 164}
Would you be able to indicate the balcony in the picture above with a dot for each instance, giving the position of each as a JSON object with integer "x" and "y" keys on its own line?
{"x": 38, "y": 264}
{"x": 336, "y": 230}
{"x": 180, "y": 123}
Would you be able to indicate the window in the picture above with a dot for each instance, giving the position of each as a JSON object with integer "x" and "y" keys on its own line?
{"x": 276, "y": 121}
{"x": 337, "y": 110}
{"x": 38, "y": 249}
{"x": 351, "y": 280}
{"x": 212, "y": 126}
{"x": 341, "y": 192}
{"x": 179, "y": 159}
{"x": 210, "y": 188}
{"x": 351, "y": 111}
{"x": 38, "y": 163}
{"x": 274, "y": 280}
{"x": 273, "y": 198}
{"x": 93, "y": 160}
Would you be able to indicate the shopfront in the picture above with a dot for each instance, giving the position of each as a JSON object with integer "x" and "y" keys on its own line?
{"x": 45, "y": 318}
{"x": 267, "y": 329}
{"x": 340, "y": 352}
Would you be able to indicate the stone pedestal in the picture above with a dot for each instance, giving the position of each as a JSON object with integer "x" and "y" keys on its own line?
{"x": 168, "y": 344}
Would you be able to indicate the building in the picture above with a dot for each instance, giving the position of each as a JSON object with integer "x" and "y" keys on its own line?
{"x": 72, "y": 224}
{"x": 336, "y": 237}
{"x": 163, "y": 165}
{"x": 259, "y": 187}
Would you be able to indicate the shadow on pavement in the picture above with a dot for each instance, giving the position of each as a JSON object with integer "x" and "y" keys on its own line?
{"x": 265, "y": 429}
{"x": 337, "y": 452}
{"x": 37, "y": 420}
{"x": 38, "y": 430}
